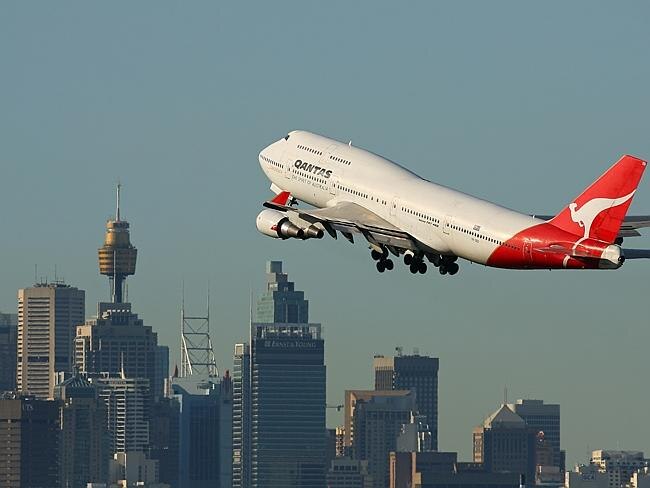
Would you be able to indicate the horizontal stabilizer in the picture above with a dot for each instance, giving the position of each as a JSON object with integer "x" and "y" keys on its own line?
{"x": 636, "y": 253}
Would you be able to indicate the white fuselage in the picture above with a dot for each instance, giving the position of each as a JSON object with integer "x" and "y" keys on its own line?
{"x": 446, "y": 220}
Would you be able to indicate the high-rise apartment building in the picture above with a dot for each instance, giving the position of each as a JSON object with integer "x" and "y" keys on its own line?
{"x": 83, "y": 443}
{"x": 8, "y": 334}
{"x": 376, "y": 425}
{"x": 205, "y": 431}
{"x": 29, "y": 435}
{"x": 543, "y": 417}
{"x": 412, "y": 372}
{"x": 127, "y": 403}
{"x": 505, "y": 444}
{"x": 279, "y": 436}
{"x": 47, "y": 316}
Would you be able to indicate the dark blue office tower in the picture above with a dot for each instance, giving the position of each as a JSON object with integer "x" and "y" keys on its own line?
{"x": 279, "y": 431}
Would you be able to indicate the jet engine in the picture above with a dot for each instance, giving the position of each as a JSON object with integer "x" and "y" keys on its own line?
{"x": 276, "y": 224}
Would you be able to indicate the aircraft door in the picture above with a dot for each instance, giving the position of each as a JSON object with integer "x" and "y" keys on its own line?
{"x": 287, "y": 167}
{"x": 334, "y": 183}
{"x": 446, "y": 224}
{"x": 394, "y": 205}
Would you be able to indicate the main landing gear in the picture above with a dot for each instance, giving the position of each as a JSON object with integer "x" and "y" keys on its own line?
{"x": 415, "y": 262}
{"x": 383, "y": 262}
{"x": 445, "y": 264}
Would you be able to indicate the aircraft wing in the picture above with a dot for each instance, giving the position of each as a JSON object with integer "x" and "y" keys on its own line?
{"x": 629, "y": 227}
{"x": 349, "y": 218}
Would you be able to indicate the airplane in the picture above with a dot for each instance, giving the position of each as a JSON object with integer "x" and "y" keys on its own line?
{"x": 354, "y": 191}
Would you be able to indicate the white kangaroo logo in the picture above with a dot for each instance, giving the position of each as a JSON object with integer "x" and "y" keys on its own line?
{"x": 588, "y": 212}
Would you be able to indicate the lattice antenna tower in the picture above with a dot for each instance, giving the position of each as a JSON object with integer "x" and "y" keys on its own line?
{"x": 197, "y": 354}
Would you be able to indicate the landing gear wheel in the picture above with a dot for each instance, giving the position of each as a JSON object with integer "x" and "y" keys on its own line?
{"x": 452, "y": 268}
{"x": 376, "y": 255}
{"x": 442, "y": 269}
{"x": 422, "y": 267}
{"x": 408, "y": 259}
{"x": 435, "y": 260}
{"x": 414, "y": 267}
{"x": 381, "y": 266}
{"x": 388, "y": 263}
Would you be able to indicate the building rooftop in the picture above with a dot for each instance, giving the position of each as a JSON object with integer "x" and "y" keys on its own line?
{"x": 504, "y": 417}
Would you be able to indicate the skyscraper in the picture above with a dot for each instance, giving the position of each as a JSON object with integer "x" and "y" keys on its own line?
{"x": 117, "y": 341}
{"x": 205, "y": 431}
{"x": 8, "y": 334}
{"x": 127, "y": 403}
{"x": 354, "y": 397}
{"x": 505, "y": 444}
{"x": 376, "y": 424}
{"x": 279, "y": 391}
{"x": 29, "y": 435}
{"x": 241, "y": 418}
{"x": 412, "y": 372}
{"x": 281, "y": 303}
{"x": 47, "y": 316}
{"x": 83, "y": 433}
{"x": 543, "y": 418}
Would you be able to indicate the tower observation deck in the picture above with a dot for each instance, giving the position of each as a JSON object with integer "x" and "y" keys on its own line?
{"x": 117, "y": 256}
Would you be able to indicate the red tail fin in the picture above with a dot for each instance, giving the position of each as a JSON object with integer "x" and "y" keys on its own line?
{"x": 600, "y": 210}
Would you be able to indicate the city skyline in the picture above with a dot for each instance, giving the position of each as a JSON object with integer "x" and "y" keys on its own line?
{"x": 530, "y": 120}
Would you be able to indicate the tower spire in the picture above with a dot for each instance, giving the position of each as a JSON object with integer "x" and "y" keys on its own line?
{"x": 117, "y": 207}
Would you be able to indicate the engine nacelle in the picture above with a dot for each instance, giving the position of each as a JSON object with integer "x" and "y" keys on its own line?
{"x": 276, "y": 224}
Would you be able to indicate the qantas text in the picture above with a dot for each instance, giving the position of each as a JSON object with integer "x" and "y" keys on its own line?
{"x": 311, "y": 168}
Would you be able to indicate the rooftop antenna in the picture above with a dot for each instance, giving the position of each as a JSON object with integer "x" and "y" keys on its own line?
{"x": 117, "y": 207}
{"x": 35, "y": 273}
{"x": 505, "y": 395}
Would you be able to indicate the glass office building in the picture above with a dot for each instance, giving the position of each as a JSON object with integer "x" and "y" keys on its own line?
{"x": 279, "y": 435}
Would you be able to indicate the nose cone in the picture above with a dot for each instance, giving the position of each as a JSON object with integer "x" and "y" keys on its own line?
{"x": 271, "y": 155}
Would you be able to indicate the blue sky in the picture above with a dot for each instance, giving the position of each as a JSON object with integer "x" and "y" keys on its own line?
{"x": 524, "y": 104}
